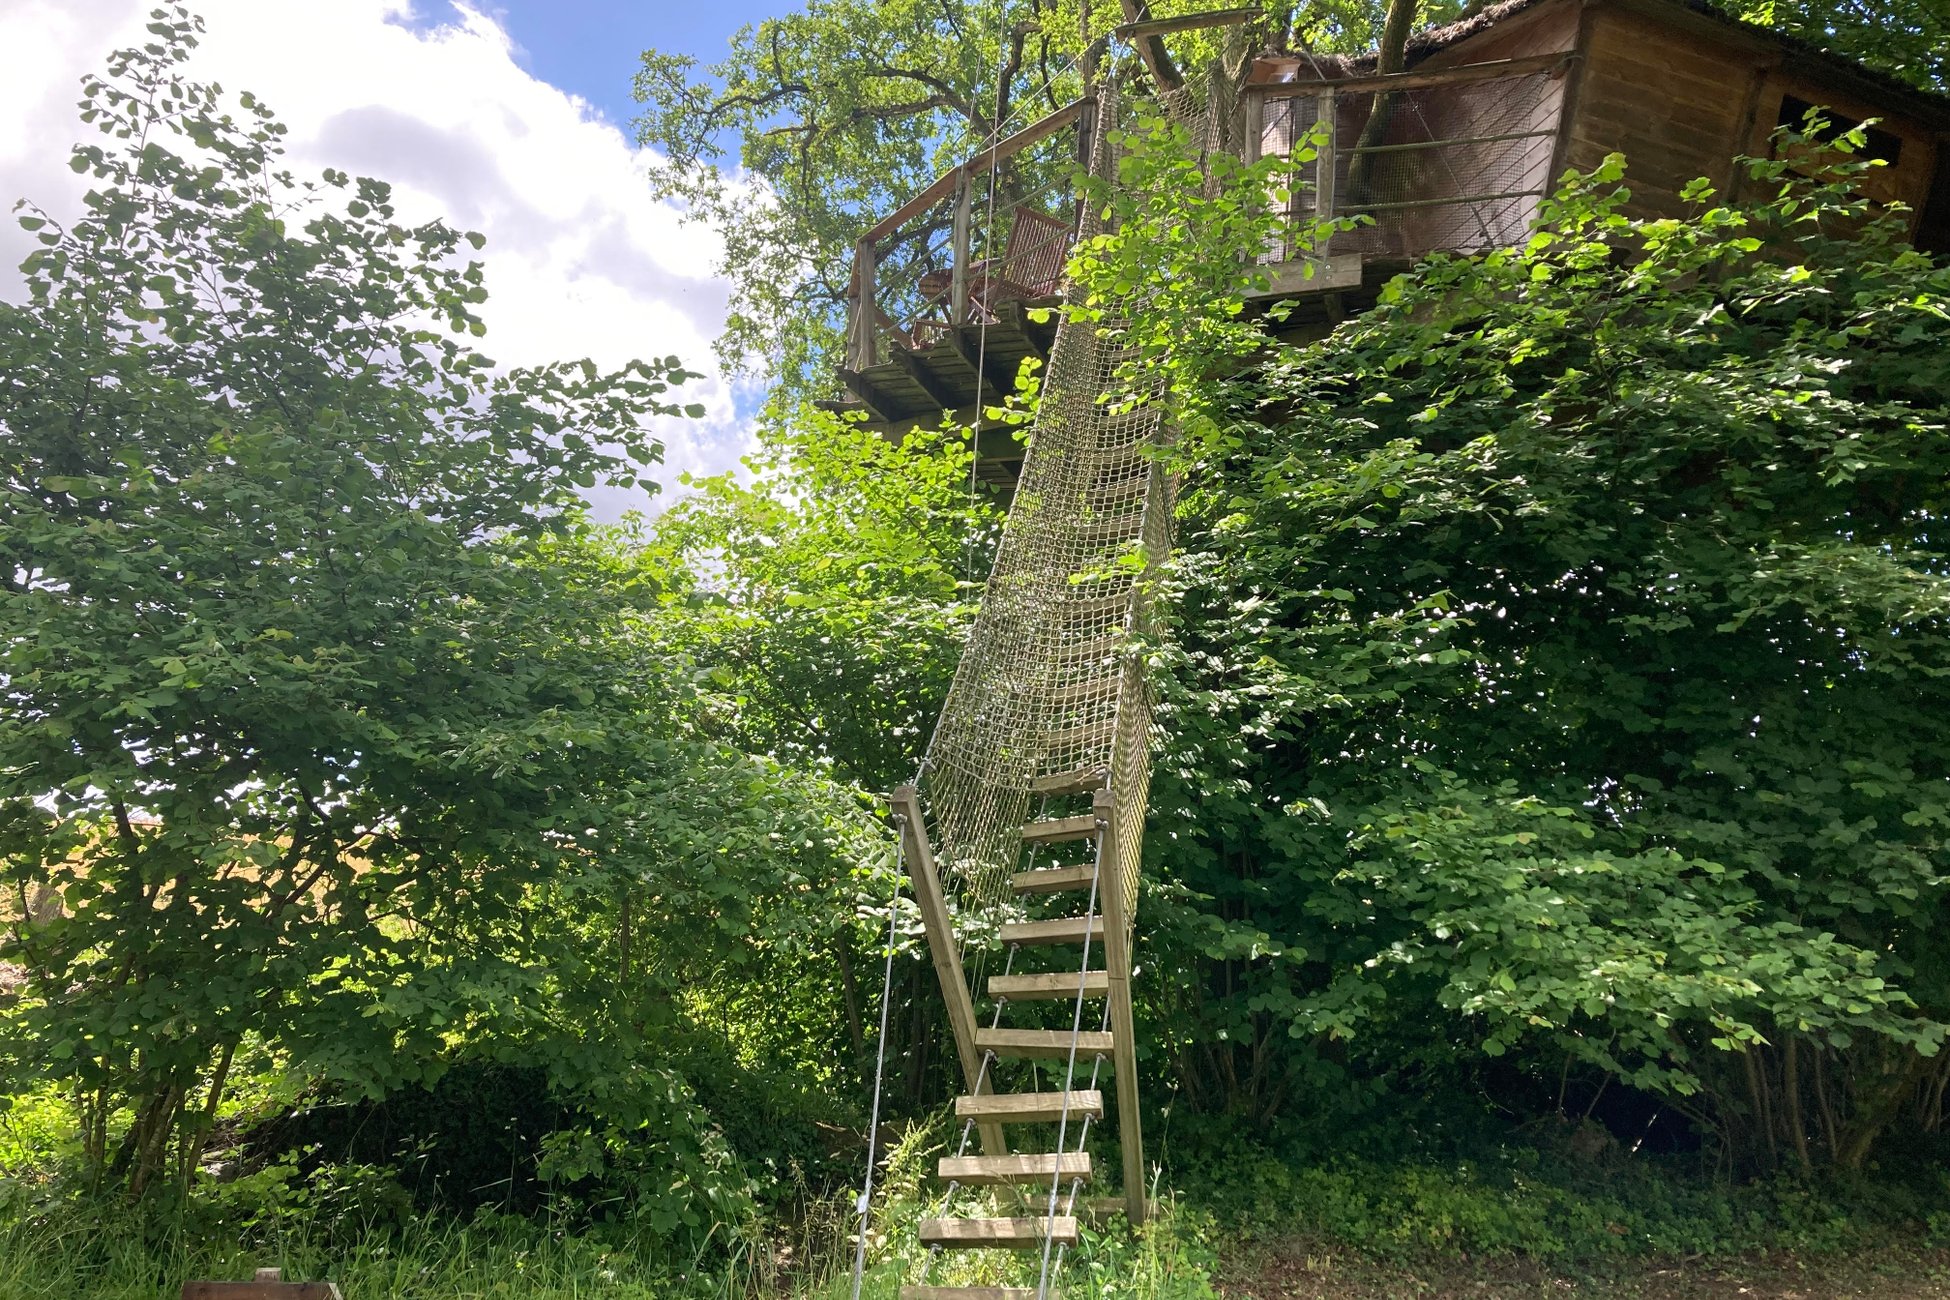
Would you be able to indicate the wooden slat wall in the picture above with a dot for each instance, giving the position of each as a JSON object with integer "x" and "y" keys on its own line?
{"x": 1546, "y": 29}
{"x": 1907, "y": 181}
{"x": 1674, "y": 103}
{"x": 1680, "y": 101}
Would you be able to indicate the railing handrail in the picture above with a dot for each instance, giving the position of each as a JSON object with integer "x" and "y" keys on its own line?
{"x": 1416, "y": 79}
{"x": 944, "y": 184}
{"x": 864, "y": 350}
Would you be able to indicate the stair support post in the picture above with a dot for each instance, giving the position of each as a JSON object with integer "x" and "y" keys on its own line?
{"x": 1117, "y": 961}
{"x": 919, "y": 856}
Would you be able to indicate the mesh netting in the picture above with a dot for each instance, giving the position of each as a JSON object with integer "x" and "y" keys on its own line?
{"x": 1049, "y": 688}
{"x": 1456, "y": 167}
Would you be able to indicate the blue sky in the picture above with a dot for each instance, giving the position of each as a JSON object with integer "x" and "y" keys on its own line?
{"x": 590, "y": 47}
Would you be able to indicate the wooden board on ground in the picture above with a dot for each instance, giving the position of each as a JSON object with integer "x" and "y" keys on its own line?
{"x": 269, "y": 1284}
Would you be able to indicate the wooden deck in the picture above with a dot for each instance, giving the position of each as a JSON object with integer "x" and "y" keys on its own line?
{"x": 911, "y": 388}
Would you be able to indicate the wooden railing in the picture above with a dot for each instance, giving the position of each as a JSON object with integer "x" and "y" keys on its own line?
{"x": 1468, "y": 189}
{"x": 969, "y": 286}
{"x": 1491, "y": 177}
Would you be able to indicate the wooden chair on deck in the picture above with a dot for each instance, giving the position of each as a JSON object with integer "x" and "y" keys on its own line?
{"x": 1031, "y": 266}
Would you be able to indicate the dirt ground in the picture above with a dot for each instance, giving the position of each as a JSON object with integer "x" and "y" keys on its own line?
{"x": 1302, "y": 1271}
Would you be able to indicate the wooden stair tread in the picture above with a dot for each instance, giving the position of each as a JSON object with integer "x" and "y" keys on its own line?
{"x": 1096, "y": 648}
{"x": 976, "y": 1293}
{"x": 1128, "y": 525}
{"x": 1049, "y": 986}
{"x": 1081, "y": 607}
{"x": 1046, "y": 1044}
{"x": 1090, "y": 733}
{"x": 1063, "y": 929}
{"x": 1053, "y": 880}
{"x": 989, "y": 1171}
{"x": 1101, "y": 1209}
{"x": 1016, "y": 1234}
{"x": 1030, "y": 1107}
{"x": 1091, "y": 690}
{"x": 1058, "y": 830}
{"x": 1083, "y": 781}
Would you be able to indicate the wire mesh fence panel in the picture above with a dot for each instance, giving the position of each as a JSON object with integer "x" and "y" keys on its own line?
{"x": 1456, "y": 167}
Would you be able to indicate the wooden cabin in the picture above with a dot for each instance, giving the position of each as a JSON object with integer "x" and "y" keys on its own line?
{"x": 1488, "y": 114}
{"x": 1493, "y": 109}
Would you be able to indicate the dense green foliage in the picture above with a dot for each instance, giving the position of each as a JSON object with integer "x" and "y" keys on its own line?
{"x": 1552, "y": 762}
{"x": 334, "y": 741}
{"x": 1907, "y": 39}
{"x": 1557, "y": 645}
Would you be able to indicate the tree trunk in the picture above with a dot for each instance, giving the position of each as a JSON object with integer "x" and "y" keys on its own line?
{"x": 1876, "y": 1103}
{"x": 1393, "y": 56}
{"x": 850, "y": 999}
{"x": 1791, "y": 1090}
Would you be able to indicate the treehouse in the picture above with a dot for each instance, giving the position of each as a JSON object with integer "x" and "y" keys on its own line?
{"x": 1454, "y": 153}
{"x": 1021, "y": 834}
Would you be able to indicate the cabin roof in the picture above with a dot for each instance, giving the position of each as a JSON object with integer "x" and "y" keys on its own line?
{"x": 1929, "y": 105}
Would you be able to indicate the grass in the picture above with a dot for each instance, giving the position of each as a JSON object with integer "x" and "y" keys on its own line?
{"x": 1245, "y": 1225}
{"x": 431, "y": 1260}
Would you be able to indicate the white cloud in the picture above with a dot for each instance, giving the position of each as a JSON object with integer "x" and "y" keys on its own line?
{"x": 581, "y": 261}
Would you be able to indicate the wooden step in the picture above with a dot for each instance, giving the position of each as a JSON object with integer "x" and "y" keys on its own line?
{"x": 1090, "y": 735}
{"x": 1060, "y": 829}
{"x": 976, "y": 1293}
{"x": 1125, "y": 527}
{"x": 1095, "y": 650}
{"x": 1064, "y": 929}
{"x": 1057, "y": 784}
{"x": 1101, "y": 1209}
{"x": 1093, "y": 690}
{"x": 1030, "y": 1107}
{"x": 1007, "y": 1234}
{"x": 1053, "y": 880}
{"x": 1091, "y": 607}
{"x": 992, "y": 1171}
{"x": 1048, "y": 986}
{"x": 1043, "y": 1044}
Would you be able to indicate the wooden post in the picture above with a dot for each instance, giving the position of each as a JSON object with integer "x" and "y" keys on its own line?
{"x": 906, "y": 805}
{"x": 1117, "y": 962}
{"x": 959, "y": 252}
{"x": 866, "y": 351}
{"x": 1252, "y": 107}
{"x": 1324, "y": 166}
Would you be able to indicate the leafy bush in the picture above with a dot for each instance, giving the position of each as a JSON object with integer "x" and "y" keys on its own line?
{"x": 1560, "y": 665}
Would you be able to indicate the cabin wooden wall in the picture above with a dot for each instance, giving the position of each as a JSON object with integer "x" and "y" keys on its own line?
{"x": 1682, "y": 96}
{"x": 1676, "y": 103}
{"x": 1550, "y": 28}
{"x": 1504, "y": 107}
{"x": 1906, "y": 180}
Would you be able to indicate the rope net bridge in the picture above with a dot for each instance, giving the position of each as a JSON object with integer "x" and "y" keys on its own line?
{"x": 1021, "y": 835}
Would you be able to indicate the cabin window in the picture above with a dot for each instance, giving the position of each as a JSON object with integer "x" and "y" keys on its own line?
{"x": 1884, "y": 145}
{"x": 1933, "y": 227}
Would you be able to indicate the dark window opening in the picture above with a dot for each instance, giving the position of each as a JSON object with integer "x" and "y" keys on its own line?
{"x": 1933, "y": 226}
{"x": 1884, "y": 145}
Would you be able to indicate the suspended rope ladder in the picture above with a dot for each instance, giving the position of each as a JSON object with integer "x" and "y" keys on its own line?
{"x": 1021, "y": 834}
